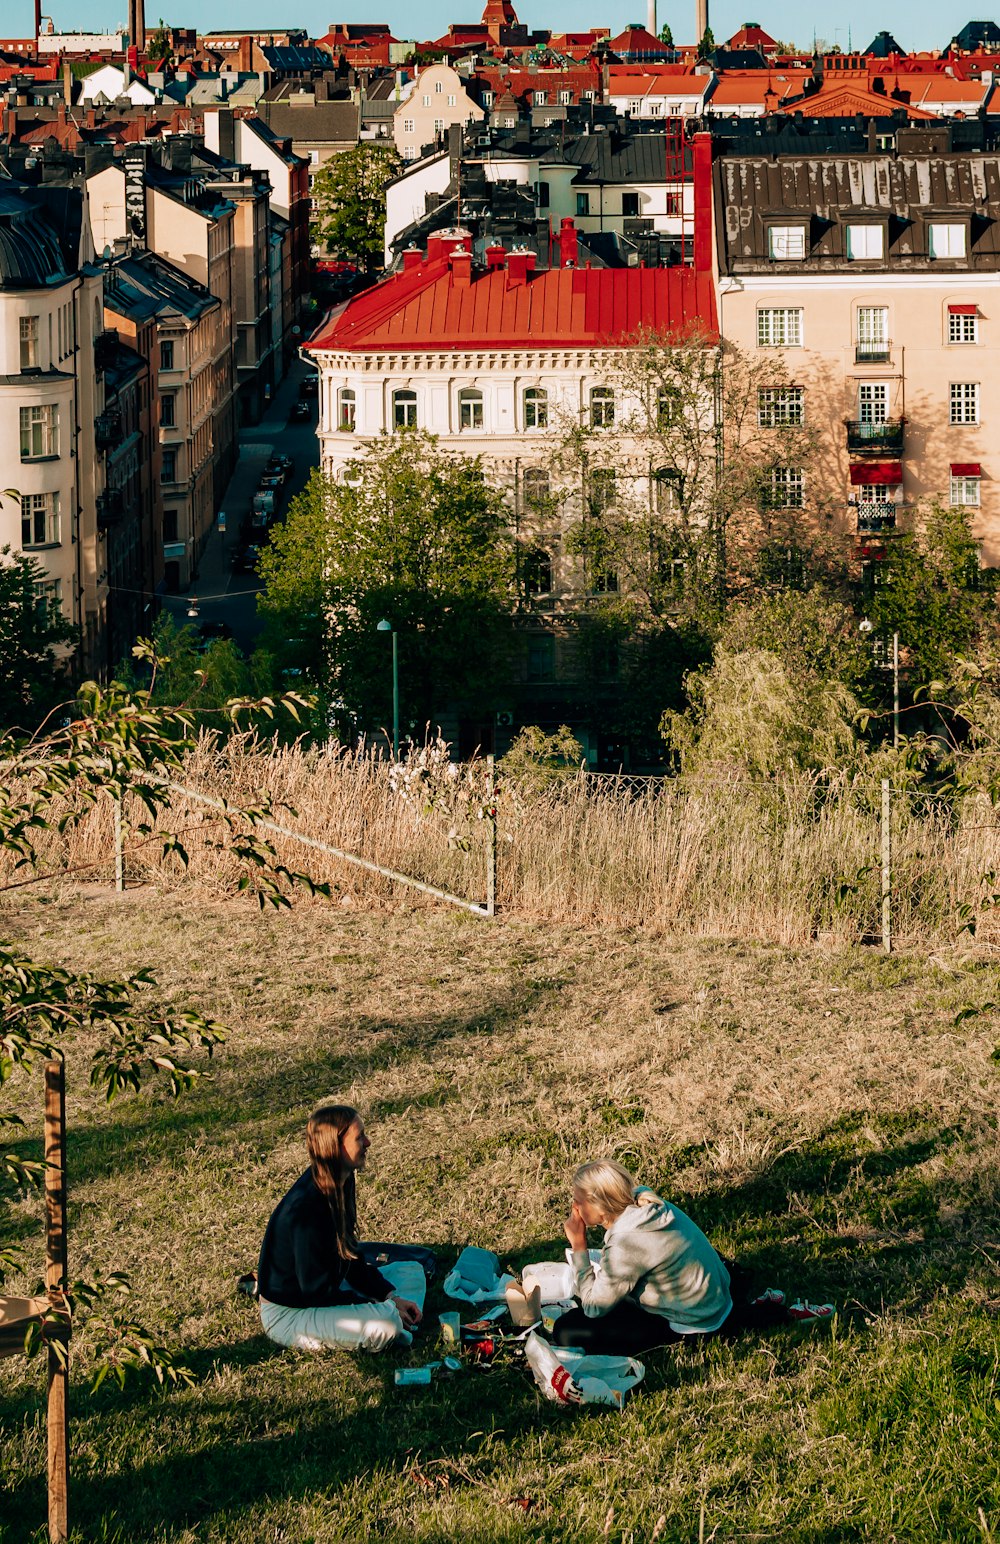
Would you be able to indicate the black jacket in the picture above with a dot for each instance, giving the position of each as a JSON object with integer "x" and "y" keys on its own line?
{"x": 299, "y": 1264}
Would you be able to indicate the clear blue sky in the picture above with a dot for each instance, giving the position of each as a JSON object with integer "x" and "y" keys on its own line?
{"x": 922, "y": 24}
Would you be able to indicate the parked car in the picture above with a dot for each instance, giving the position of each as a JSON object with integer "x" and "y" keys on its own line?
{"x": 265, "y": 501}
{"x": 310, "y": 386}
{"x": 272, "y": 477}
{"x": 301, "y": 412}
{"x": 280, "y": 464}
{"x": 244, "y": 560}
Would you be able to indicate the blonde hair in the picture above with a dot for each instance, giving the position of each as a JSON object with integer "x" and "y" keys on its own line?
{"x": 607, "y": 1184}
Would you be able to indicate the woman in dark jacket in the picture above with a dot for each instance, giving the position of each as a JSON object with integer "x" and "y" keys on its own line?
{"x": 316, "y": 1287}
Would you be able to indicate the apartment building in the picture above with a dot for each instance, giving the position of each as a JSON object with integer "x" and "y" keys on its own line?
{"x": 53, "y": 440}
{"x": 178, "y": 326}
{"x": 129, "y": 511}
{"x": 438, "y": 98}
{"x": 873, "y": 276}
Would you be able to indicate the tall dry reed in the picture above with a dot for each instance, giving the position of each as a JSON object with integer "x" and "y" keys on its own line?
{"x": 780, "y": 862}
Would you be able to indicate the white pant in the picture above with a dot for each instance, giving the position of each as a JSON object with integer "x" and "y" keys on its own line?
{"x": 351, "y": 1326}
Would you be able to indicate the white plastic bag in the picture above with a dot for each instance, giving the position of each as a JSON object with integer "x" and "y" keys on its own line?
{"x": 475, "y": 1277}
{"x": 571, "y": 1377}
{"x": 556, "y": 1279}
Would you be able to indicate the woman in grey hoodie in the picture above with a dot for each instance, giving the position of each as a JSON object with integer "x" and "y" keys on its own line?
{"x": 658, "y": 1278}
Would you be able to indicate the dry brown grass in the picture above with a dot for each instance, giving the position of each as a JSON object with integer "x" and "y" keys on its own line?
{"x": 749, "y": 860}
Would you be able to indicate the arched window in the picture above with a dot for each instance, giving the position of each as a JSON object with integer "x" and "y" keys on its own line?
{"x": 346, "y": 409}
{"x": 536, "y": 486}
{"x": 602, "y": 407}
{"x": 536, "y": 408}
{"x": 537, "y": 572}
{"x": 404, "y": 410}
{"x": 470, "y": 409}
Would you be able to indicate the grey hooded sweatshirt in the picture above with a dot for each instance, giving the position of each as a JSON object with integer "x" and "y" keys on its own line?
{"x": 659, "y": 1258}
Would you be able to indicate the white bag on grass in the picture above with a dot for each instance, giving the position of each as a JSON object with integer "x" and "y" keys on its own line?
{"x": 571, "y": 1377}
{"x": 556, "y": 1279}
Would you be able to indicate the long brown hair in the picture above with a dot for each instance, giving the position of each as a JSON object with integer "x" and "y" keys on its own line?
{"x": 324, "y": 1135}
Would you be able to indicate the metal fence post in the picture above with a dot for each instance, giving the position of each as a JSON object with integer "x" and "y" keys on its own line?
{"x": 55, "y": 1281}
{"x": 119, "y": 845}
{"x": 491, "y": 839}
{"x": 886, "y": 869}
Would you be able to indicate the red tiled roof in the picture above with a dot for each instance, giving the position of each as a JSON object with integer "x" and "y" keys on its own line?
{"x": 424, "y": 308}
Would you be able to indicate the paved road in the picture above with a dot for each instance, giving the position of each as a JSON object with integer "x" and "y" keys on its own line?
{"x": 222, "y": 595}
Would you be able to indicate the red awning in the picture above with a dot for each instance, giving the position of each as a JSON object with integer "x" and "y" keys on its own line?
{"x": 966, "y": 469}
{"x": 963, "y": 310}
{"x": 876, "y": 472}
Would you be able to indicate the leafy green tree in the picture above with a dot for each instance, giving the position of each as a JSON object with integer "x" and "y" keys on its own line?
{"x": 348, "y": 200}
{"x": 666, "y": 36}
{"x": 415, "y": 537}
{"x": 33, "y": 678}
{"x": 158, "y": 47}
{"x": 929, "y": 589}
{"x": 707, "y": 44}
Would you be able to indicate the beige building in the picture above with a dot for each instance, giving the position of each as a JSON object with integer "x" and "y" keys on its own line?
{"x": 438, "y": 98}
{"x": 874, "y": 277}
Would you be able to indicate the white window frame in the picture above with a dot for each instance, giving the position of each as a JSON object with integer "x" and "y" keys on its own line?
{"x": 947, "y": 235}
{"x": 39, "y": 520}
{"x": 779, "y": 326}
{"x": 407, "y": 125}
{"x": 786, "y": 243}
{"x": 964, "y": 492}
{"x": 864, "y": 243}
{"x": 535, "y": 407}
{"x": 28, "y": 338}
{"x": 347, "y": 409}
{"x": 778, "y": 406}
{"x": 872, "y": 327}
{"x": 963, "y": 328}
{"x": 602, "y": 407}
{"x": 48, "y": 596}
{"x": 788, "y": 487}
{"x": 963, "y": 402}
{"x": 470, "y": 409}
{"x": 404, "y": 407}
{"x": 873, "y": 402}
{"x": 39, "y": 425}
{"x": 536, "y": 486}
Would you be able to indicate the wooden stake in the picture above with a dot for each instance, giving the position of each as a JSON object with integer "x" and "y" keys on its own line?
{"x": 886, "y": 869}
{"x": 491, "y": 841}
{"x": 119, "y": 847}
{"x": 55, "y": 1281}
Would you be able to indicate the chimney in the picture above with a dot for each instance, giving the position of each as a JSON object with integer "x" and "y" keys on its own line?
{"x": 569, "y": 243}
{"x": 495, "y": 257}
{"x": 651, "y": 18}
{"x": 700, "y": 19}
{"x": 520, "y": 263}
{"x": 67, "y": 83}
{"x": 413, "y": 257}
{"x": 461, "y": 269}
{"x": 702, "y": 190}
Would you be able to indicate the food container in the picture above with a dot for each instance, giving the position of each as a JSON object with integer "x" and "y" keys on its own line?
{"x": 451, "y": 1328}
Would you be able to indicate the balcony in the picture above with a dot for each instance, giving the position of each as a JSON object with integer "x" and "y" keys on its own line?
{"x": 888, "y": 436}
{"x": 110, "y": 508}
{"x": 873, "y": 353}
{"x": 876, "y": 518}
{"x": 108, "y": 430}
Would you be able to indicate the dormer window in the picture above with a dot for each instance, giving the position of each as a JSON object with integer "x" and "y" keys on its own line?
{"x": 786, "y": 243}
{"x": 865, "y": 243}
{"x": 945, "y": 240}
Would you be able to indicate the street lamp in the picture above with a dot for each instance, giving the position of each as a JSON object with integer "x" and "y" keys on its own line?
{"x": 387, "y": 627}
{"x": 865, "y": 626}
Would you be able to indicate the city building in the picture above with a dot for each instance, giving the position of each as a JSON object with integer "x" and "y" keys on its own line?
{"x": 438, "y": 99}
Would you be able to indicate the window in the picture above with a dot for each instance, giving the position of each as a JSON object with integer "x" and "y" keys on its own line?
{"x": 168, "y": 465}
{"x": 779, "y": 327}
{"x": 404, "y": 410}
{"x": 537, "y": 572}
{"x": 28, "y": 327}
{"x": 470, "y": 409}
{"x": 668, "y": 487}
{"x": 439, "y": 125}
{"x": 541, "y": 658}
{"x": 48, "y": 597}
{"x": 536, "y": 486}
{"x": 873, "y": 403}
{"x": 451, "y": 101}
{"x": 786, "y": 243}
{"x": 945, "y": 241}
{"x": 602, "y": 407}
{"x": 40, "y": 519}
{"x": 168, "y": 404}
{"x": 540, "y": 98}
{"x": 536, "y": 408}
{"x": 630, "y": 205}
{"x": 487, "y": 99}
{"x": 635, "y": 108}
{"x": 777, "y": 405}
{"x": 864, "y": 242}
{"x": 963, "y": 402}
{"x": 669, "y": 409}
{"x": 787, "y": 487}
{"x": 963, "y": 324}
{"x": 166, "y": 356}
{"x": 426, "y": 101}
{"x": 542, "y": 195}
{"x": 602, "y": 489}
{"x": 346, "y": 410}
{"x": 655, "y": 109}
{"x": 169, "y": 525}
{"x": 407, "y": 125}
{"x": 438, "y": 87}
{"x": 39, "y": 432}
{"x": 873, "y": 333}
{"x": 565, "y": 98}
{"x": 604, "y": 581}
{"x": 964, "y": 490}
{"x": 582, "y": 203}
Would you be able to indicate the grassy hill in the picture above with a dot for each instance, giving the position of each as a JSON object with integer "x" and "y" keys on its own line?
{"x": 819, "y": 1112}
